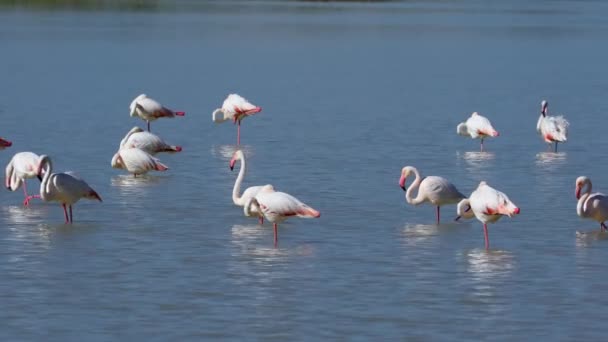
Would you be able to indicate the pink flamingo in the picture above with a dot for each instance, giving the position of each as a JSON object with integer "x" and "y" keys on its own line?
{"x": 277, "y": 207}
{"x": 146, "y": 141}
{"x": 592, "y": 206}
{"x": 65, "y": 187}
{"x": 433, "y": 189}
{"x": 23, "y": 165}
{"x": 488, "y": 205}
{"x": 5, "y": 143}
{"x": 477, "y": 126}
{"x": 235, "y": 108}
{"x": 551, "y": 128}
{"x": 251, "y": 191}
{"x": 136, "y": 161}
{"x": 149, "y": 110}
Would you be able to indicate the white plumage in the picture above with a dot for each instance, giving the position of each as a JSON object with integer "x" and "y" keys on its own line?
{"x": 553, "y": 129}
{"x": 146, "y": 141}
{"x": 149, "y": 109}
{"x": 234, "y": 108}
{"x": 477, "y": 127}
{"x": 22, "y": 166}
{"x": 592, "y": 206}
{"x": 136, "y": 161}
{"x": 250, "y": 192}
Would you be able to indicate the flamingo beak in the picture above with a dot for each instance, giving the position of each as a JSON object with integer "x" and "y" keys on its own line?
{"x": 516, "y": 211}
{"x": 402, "y": 183}
{"x": 232, "y": 162}
{"x": 39, "y": 177}
{"x": 578, "y": 192}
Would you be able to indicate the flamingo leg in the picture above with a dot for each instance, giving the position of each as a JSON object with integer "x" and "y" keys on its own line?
{"x": 555, "y": 147}
{"x": 148, "y": 126}
{"x": 603, "y": 227}
{"x": 276, "y": 237}
{"x": 481, "y": 144}
{"x": 238, "y": 132}
{"x": 27, "y": 199}
{"x": 485, "y": 234}
{"x": 71, "y": 219}
{"x": 65, "y": 213}
{"x": 438, "y": 215}
{"x": 261, "y": 220}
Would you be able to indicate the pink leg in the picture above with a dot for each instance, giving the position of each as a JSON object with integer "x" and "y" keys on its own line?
{"x": 485, "y": 234}
{"x": 438, "y": 215}
{"x": 261, "y": 220}
{"x": 238, "y": 132}
{"x": 65, "y": 213}
{"x": 27, "y": 199}
{"x": 276, "y": 237}
{"x": 71, "y": 219}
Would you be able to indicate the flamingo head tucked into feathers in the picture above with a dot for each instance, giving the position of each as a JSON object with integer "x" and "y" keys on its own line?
{"x": 543, "y": 107}
{"x": 117, "y": 162}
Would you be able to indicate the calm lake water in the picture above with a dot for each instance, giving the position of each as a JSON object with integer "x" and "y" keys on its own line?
{"x": 351, "y": 93}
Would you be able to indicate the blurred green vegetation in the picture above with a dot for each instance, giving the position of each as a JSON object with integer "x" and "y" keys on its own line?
{"x": 85, "y": 5}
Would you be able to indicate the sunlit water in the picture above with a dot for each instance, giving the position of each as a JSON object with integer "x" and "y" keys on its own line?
{"x": 351, "y": 92}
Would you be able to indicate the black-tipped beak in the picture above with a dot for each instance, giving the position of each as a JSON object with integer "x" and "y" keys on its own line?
{"x": 39, "y": 177}
{"x": 457, "y": 218}
{"x": 231, "y": 167}
{"x": 404, "y": 188}
{"x": 9, "y": 188}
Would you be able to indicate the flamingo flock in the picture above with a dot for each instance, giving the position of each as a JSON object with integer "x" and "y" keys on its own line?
{"x": 137, "y": 150}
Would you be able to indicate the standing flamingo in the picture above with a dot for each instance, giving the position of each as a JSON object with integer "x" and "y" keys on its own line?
{"x": 488, "y": 205}
{"x": 277, "y": 207}
{"x": 149, "y": 110}
{"x": 477, "y": 126}
{"x": 235, "y": 108}
{"x": 136, "y": 161}
{"x": 146, "y": 141}
{"x": 592, "y": 206}
{"x": 23, "y": 165}
{"x": 5, "y": 143}
{"x": 436, "y": 190}
{"x": 250, "y": 192}
{"x": 65, "y": 187}
{"x": 551, "y": 128}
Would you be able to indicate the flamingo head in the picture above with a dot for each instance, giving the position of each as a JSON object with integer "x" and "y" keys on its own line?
{"x": 405, "y": 172}
{"x": 134, "y": 105}
{"x": 543, "y": 107}
{"x": 117, "y": 161}
{"x": 238, "y": 155}
{"x": 43, "y": 161}
{"x": 580, "y": 183}
{"x": 5, "y": 143}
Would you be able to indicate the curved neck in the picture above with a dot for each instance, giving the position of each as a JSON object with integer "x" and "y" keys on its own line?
{"x": 236, "y": 197}
{"x": 586, "y": 188}
{"x": 46, "y": 165}
{"x": 464, "y": 209}
{"x": 252, "y": 202}
{"x": 410, "y": 190}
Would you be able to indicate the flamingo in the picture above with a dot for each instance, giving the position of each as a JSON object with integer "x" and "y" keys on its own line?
{"x": 23, "y": 165}
{"x": 235, "y": 108}
{"x": 551, "y": 128}
{"x": 477, "y": 126}
{"x": 593, "y": 206}
{"x": 433, "y": 189}
{"x": 146, "y": 141}
{"x": 5, "y": 143}
{"x": 488, "y": 205}
{"x": 250, "y": 192}
{"x": 277, "y": 207}
{"x": 65, "y": 187}
{"x": 149, "y": 110}
{"x": 136, "y": 161}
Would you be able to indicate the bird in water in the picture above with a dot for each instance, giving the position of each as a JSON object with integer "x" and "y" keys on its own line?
{"x": 251, "y": 191}
{"x": 136, "y": 161}
{"x": 591, "y": 205}
{"x": 433, "y": 189}
{"x": 235, "y": 108}
{"x": 477, "y": 127}
{"x": 22, "y": 166}
{"x": 149, "y": 109}
{"x": 553, "y": 129}
{"x": 488, "y": 205}
{"x": 146, "y": 141}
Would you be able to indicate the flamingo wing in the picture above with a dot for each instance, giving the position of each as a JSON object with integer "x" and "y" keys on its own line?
{"x": 440, "y": 191}
{"x": 285, "y": 205}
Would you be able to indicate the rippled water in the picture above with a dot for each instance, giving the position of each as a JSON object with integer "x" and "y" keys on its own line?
{"x": 351, "y": 92}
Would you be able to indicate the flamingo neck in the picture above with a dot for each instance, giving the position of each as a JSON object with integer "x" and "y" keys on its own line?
{"x": 236, "y": 197}
{"x": 47, "y": 165}
{"x": 414, "y": 186}
{"x": 464, "y": 209}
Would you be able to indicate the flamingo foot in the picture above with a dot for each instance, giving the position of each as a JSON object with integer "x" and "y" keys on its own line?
{"x": 27, "y": 200}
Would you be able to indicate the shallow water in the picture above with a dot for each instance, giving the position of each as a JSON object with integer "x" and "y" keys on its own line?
{"x": 351, "y": 92}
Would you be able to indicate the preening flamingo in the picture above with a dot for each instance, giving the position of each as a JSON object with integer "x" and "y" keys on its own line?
{"x": 277, "y": 207}
{"x": 488, "y": 205}
{"x": 23, "y": 165}
{"x": 136, "y": 161}
{"x": 477, "y": 126}
{"x": 65, "y": 187}
{"x": 433, "y": 189}
{"x": 149, "y": 110}
{"x": 251, "y": 191}
{"x": 551, "y": 128}
{"x": 5, "y": 143}
{"x": 235, "y": 108}
{"x": 592, "y": 206}
{"x": 146, "y": 141}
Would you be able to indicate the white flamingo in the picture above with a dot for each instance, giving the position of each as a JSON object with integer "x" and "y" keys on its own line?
{"x": 136, "y": 161}
{"x": 149, "y": 110}
{"x": 592, "y": 206}
{"x": 65, "y": 187}
{"x": 488, "y": 205}
{"x": 477, "y": 127}
{"x": 235, "y": 108}
{"x": 5, "y": 143}
{"x": 433, "y": 189}
{"x": 251, "y": 191}
{"x": 277, "y": 207}
{"x": 146, "y": 141}
{"x": 23, "y": 165}
{"x": 553, "y": 129}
